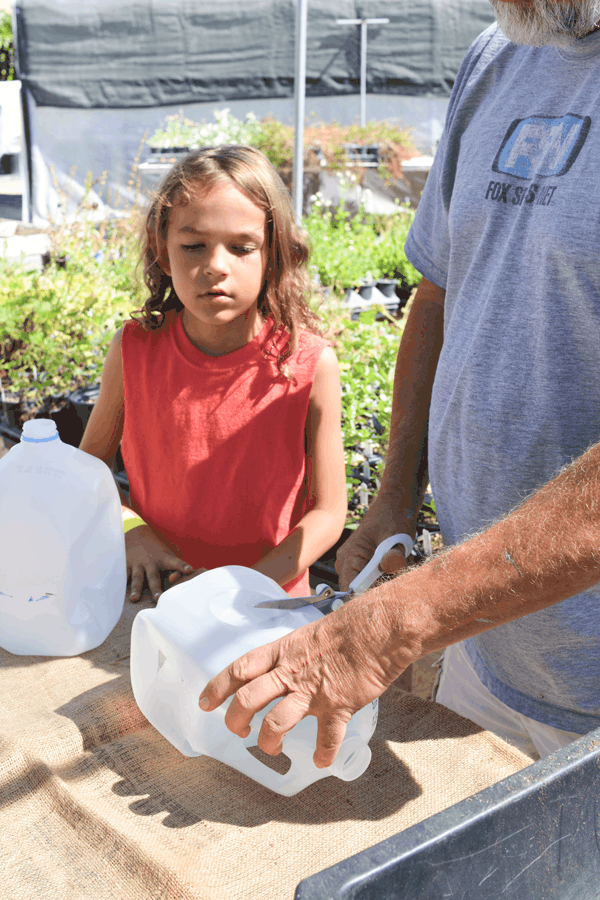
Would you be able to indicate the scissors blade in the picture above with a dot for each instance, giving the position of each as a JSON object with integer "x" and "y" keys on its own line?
{"x": 325, "y": 595}
{"x": 290, "y": 603}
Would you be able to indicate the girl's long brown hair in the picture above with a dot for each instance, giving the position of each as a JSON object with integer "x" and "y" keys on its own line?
{"x": 287, "y": 284}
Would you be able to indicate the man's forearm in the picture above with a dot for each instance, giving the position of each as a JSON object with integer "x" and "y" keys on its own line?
{"x": 403, "y": 483}
{"x": 405, "y": 475}
{"x": 546, "y": 550}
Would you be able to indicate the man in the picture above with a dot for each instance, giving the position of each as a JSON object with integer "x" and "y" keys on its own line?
{"x": 501, "y": 355}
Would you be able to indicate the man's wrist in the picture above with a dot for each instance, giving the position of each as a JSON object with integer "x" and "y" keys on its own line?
{"x": 400, "y": 520}
{"x": 410, "y": 623}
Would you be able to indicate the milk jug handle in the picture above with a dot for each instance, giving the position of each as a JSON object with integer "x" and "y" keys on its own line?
{"x": 254, "y": 768}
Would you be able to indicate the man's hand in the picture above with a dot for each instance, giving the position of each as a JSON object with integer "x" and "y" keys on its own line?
{"x": 358, "y": 550}
{"x": 147, "y": 557}
{"x": 329, "y": 669}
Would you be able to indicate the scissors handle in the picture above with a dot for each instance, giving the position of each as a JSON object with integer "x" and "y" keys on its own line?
{"x": 363, "y": 580}
{"x": 371, "y": 571}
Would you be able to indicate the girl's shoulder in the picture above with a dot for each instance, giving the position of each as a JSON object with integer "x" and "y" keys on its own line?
{"x": 305, "y": 341}
{"x": 304, "y": 360}
{"x": 311, "y": 343}
{"x": 134, "y": 330}
{"x": 311, "y": 339}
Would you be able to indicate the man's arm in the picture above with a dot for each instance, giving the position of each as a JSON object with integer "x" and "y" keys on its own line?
{"x": 545, "y": 551}
{"x": 404, "y": 480}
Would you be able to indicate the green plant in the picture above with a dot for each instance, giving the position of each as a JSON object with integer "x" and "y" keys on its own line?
{"x": 388, "y": 251}
{"x": 276, "y": 141}
{"x": 394, "y": 143}
{"x": 346, "y": 247}
{"x": 7, "y": 69}
{"x": 178, "y": 131}
{"x": 56, "y": 324}
{"x": 366, "y": 350}
{"x": 324, "y": 143}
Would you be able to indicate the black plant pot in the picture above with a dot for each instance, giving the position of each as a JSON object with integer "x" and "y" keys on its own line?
{"x": 10, "y": 436}
{"x": 59, "y": 261}
{"x": 387, "y": 286}
{"x": 11, "y": 410}
{"x": 364, "y": 155}
{"x": 164, "y": 151}
{"x": 168, "y": 154}
{"x": 371, "y": 293}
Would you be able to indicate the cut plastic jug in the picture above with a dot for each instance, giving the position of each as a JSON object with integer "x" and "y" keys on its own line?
{"x": 62, "y": 550}
{"x": 196, "y": 630}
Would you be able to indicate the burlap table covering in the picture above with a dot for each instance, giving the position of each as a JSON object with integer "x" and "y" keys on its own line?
{"x": 95, "y": 804}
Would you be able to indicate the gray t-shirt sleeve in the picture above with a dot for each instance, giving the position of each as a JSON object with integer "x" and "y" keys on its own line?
{"x": 428, "y": 244}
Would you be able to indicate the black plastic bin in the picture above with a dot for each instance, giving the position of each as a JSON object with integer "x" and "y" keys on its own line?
{"x": 533, "y": 836}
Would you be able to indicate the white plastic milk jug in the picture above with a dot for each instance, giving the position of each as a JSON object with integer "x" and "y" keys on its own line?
{"x": 62, "y": 551}
{"x": 195, "y": 631}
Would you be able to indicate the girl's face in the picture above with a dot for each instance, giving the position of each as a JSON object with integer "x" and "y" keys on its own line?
{"x": 216, "y": 257}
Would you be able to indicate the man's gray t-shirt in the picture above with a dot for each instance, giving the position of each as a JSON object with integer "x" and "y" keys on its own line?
{"x": 509, "y": 225}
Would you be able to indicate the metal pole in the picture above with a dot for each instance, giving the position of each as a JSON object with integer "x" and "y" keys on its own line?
{"x": 364, "y": 23}
{"x": 363, "y": 72}
{"x": 299, "y": 98}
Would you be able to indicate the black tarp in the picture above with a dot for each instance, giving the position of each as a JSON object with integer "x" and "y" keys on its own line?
{"x": 145, "y": 53}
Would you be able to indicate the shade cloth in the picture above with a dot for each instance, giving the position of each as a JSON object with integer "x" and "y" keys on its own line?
{"x": 110, "y": 54}
{"x": 95, "y": 804}
{"x": 100, "y": 76}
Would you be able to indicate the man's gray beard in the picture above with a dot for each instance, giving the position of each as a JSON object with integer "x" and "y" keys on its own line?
{"x": 540, "y": 22}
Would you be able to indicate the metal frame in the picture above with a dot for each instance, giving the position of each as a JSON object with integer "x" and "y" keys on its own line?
{"x": 364, "y": 23}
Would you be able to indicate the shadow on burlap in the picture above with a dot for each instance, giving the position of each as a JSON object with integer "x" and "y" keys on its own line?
{"x": 95, "y": 804}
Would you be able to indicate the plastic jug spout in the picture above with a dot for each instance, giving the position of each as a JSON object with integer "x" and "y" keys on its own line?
{"x": 352, "y": 760}
{"x": 39, "y": 431}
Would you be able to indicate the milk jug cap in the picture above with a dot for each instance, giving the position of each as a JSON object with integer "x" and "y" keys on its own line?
{"x": 38, "y": 431}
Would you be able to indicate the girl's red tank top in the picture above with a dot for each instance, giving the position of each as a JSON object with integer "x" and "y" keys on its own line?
{"x": 214, "y": 447}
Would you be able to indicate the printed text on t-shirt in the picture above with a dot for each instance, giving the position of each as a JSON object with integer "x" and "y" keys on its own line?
{"x": 535, "y": 194}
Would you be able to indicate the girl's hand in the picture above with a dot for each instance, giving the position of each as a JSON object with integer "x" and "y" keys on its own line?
{"x": 176, "y": 578}
{"x": 147, "y": 556}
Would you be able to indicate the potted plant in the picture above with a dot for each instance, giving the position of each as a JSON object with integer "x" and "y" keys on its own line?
{"x": 178, "y": 134}
{"x": 56, "y": 324}
{"x": 363, "y": 155}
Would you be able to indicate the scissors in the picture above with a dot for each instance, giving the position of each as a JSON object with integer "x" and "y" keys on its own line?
{"x": 327, "y": 600}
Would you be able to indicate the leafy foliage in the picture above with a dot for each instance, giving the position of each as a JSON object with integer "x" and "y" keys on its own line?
{"x": 56, "y": 324}
{"x": 346, "y": 247}
{"x": 394, "y": 143}
{"x": 179, "y": 131}
{"x": 7, "y": 68}
{"x": 366, "y": 350}
{"x": 324, "y": 143}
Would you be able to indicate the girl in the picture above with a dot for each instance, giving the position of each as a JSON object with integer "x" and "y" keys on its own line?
{"x": 225, "y": 397}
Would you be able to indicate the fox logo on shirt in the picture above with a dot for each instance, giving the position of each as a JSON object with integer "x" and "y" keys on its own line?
{"x": 541, "y": 146}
